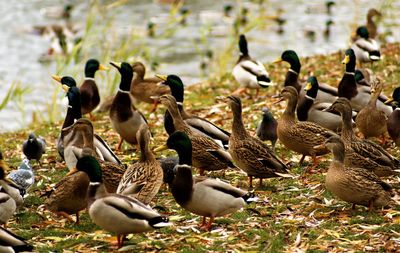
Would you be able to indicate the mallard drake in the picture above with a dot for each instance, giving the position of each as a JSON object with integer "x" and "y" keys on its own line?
{"x": 197, "y": 124}
{"x": 7, "y": 203}
{"x": 125, "y": 118}
{"x": 249, "y": 153}
{"x": 371, "y": 26}
{"x": 34, "y": 147}
{"x": 207, "y": 154}
{"x": 200, "y": 195}
{"x": 23, "y": 177}
{"x": 393, "y": 122}
{"x": 10, "y": 242}
{"x": 266, "y": 129}
{"x": 362, "y": 153}
{"x": 358, "y": 95}
{"x": 354, "y": 184}
{"x": 116, "y": 213}
{"x": 248, "y": 72}
{"x": 79, "y": 139}
{"x": 309, "y": 110}
{"x": 90, "y": 97}
{"x": 73, "y": 114}
{"x": 302, "y": 136}
{"x": 370, "y": 121}
{"x": 146, "y": 90}
{"x": 142, "y": 179}
{"x": 326, "y": 93}
{"x": 7, "y": 186}
{"x": 365, "y": 48}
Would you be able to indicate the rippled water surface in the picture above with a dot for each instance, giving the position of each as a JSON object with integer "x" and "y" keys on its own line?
{"x": 181, "y": 53}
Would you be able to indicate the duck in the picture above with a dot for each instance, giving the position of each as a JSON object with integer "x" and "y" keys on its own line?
{"x": 249, "y": 73}
{"x": 365, "y": 48}
{"x": 90, "y": 97}
{"x": 125, "y": 118}
{"x": 300, "y": 136}
{"x": 249, "y": 153}
{"x": 309, "y": 110}
{"x": 168, "y": 164}
{"x": 370, "y": 121}
{"x": 266, "y": 128}
{"x": 24, "y": 177}
{"x": 371, "y": 26}
{"x": 142, "y": 179}
{"x": 355, "y": 185}
{"x": 7, "y": 202}
{"x": 358, "y": 95}
{"x": 207, "y": 154}
{"x": 326, "y": 93}
{"x": 79, "y": 138}
{"x": 74, "y": 113}
{"x": 9, "y": 187}
{"x": 146, "y": 89}
{"x": 34, "y": 147}
{"x": 201, "y": 195}
{"x": 116, "y": 213}
{"x": 10, "y": 242}
{"x": 196, "y": 123}
{"x": 363, "y": 153}
{"x": 393, "y": 122}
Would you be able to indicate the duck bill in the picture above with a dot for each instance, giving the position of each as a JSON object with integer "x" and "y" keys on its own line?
{"x": 72, "y": 171}
{"x": 160, "y": 148}
{"x": 308, "y": 87}
{"x": 389, "y": 101}
{"x": 57, "y": 78}
{"x": 329, "y": 109}
{"x": 279, "y": 59}
{"x": 320, "y": 147}
{"x": 264, "y": 84}
{"x": 281, "y": 98}
{"x": 116, "y": 64}
{"x": 346, "y": 59}
{"x": 103, "y": 67}
{"x": 162, "y": 77}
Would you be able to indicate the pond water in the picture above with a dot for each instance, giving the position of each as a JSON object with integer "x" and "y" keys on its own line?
{"x": 181, "y": 53}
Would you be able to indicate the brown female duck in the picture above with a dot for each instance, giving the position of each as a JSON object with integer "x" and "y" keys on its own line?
{"x": 300, "y": 137}
{"x": 249, "y": 153}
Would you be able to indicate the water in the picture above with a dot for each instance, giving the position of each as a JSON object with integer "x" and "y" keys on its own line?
{"x": 182, "y": 53}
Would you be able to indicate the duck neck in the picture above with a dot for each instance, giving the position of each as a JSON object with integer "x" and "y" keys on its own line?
{"x": 237, "y": 126}
{"x": 289, "y": 113}
{"x": 145, "y": 152}
{"x": 95, "y": 191}
{"x": 347, "y": 129}
{"x": 176, "y": 117}
{"x": 74, "y": 108}
{"x": 125, "y": 83}
{"x": 292, "y": 79}
{"x": 338, "y": 154}
{"x": 182, "y": 185}
{"x": 89, "y": 73}
{"x": 374, "y": 98}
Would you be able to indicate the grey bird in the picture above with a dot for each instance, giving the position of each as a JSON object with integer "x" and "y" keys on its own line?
{"x": 23, "y": 177}
{"x": 34, "y": 147}
{"x": 266, "y": 129}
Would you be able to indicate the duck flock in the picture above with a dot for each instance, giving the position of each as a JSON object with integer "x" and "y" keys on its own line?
{"x": 118, "y": 198}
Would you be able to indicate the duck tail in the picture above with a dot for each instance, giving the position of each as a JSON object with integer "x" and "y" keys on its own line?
{"x": 23, "y": 248}
{"x": 250, "y": 197}
{"x": 159, "y": 222}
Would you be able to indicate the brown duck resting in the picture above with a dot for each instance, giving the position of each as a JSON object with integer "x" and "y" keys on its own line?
{"x": 353, "y": 184}
{"x": 301, "y": 137}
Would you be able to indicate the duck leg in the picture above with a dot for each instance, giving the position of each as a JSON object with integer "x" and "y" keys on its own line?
{"x": 210, "y": 222}
{"x": 65, "y": 215}
{"x": 203, "y": 222}
{"x": 251, "y": 181}
{"x": 261, "y": 182}
{"x": 91, "y": 117}
{"x": 302, "y": 159}
{"x": 371, "y": 206}
{"x": 77, "y": 218}
{"x": 154, "y": 107}
{"x": 118, "y": 148}
{"x": 201, "y": 172}
{"x": 239, "y": 91}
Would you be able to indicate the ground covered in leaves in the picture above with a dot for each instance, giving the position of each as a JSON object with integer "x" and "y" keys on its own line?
{"x": 293, "y": 215}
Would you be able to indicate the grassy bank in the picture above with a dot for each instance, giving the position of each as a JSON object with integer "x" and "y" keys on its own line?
{"x": 294, "y": 214}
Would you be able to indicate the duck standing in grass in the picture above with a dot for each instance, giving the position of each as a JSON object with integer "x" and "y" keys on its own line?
{"x": 8, "y": 205}
{"x": 34, "y": 147}
{"x": 142, "y": 179}
{"x": 10, "y": 242}
{"x": 266, "y": 129}
{"x": 249, "y": 153}
{"x": 125, "y": 118}
{"x": 146, "y": 89}
{"x": 207, "y": 154}
{"x": 393, "y": 122}
{"x": 249, "y": 73}
{"x": 363, "y": 153}
{"x": 90, "y": 97}
{"x": 354, "y": 184}
{"x": 358, "y": 95}
{"x": 303, "y": 136}
{"x": 7, "y": 186}
{"x": 200, "y": 195}
{"x": 196, "y": 124}
{"x": 370, "y": 121}
{"x": 116, "y": 213}
{"x": 365, "y": 48}
{"x": 325, "y": 93}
